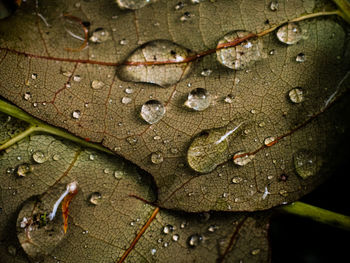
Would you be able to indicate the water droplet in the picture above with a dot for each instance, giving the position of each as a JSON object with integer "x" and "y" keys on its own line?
{"x": 255, "y": 252}
{"x": 27, "y": 95}
{"x": 229, "y": 98}
{"x": 212, "y": 228}
{"x": 35, "y": 104}
{"x": 106, "y": 170}
{"x": 129, "y": 90}
{"x": 273, "y": 5}
{"x": 77, "y": 78}
{"x": 24, "y": 169}
{"x": 175, "y": 237}
{"x": 123, "y": 42}
{"x": 34, "y": 76}
{"x": 152, "y": 111}
{"x": 272, "y": 52}
{"x": 296, "y": 95}
{"x": 269, "y": 141}
{"x": 131, "y": 140}
{"x": 306, "y": 163}
{"x": 99, "y": 35}
{"x": 167, "y": 229}
{"x": 39, "y": 157}
{"x": 236, "y": 180}
{"x": 289, "y": 33}
{"x": 10, "y": 170}
{"x": 300, "y": 58}
{"x": 242, "y": 55}
{"x": 151, "y": 63}
{"x": 283, "y": 193}
{"x": 210, "y": 148}
{"x": 95, "y": 198}
{"x": 56, "y": 157}
{"x": 91, "y": 157}
{"x": 206, "y": 72}
{"x": 166, "y": 244}
{"x": 76, "y": 114}
{"x": 157, "y": 158}
{"x": 97, "y": 84}
{"x": 132, "y": 4}
{"x": 153, "y": 251}
{"x": 194, "y": 240}
{"x": 118, "y": 174}
{"x": 179, "y": 6}
{"x": 186, "y": 16}
{"x": 183, "y": 225}
{"x": 126, "y": 100}
{"x": 198, "y": 99}
{"x": 242, "y": 158}
{"x": 67, "y": 73}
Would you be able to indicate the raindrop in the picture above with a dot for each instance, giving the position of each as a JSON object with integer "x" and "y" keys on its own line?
{"x": 242, "y": 55}
{"x": 183, "y": 225}
{"x": 157, "y": 157}
{"x": 175, "y": 237}
{"x": 273, "y": 5}
{"x": 152, "y": 111}
{"x": 210, "y": 148}
{"x": 95, "y": 198}
{"x": 167, "y": 229}
{"x": 99, "y": 35}
{"x": 126, "y": 100}
{"x": 289, "y": 33}
{"x": 76, "y": 78}
{"x": 300, "y": 58}
{"x": 206, "y": 72}
{"x": 306, "y": 163}
{"x": 212, "y": 228}
{"x": 166, "y": 244}
{"x": 242, "y": 158}
{"x": 272, "y": 52}
{"x": 194, "y": 240}
{"x": 106, "y": 170}
{"x": 76, "y": 114}
{"x": 129, "y": 90}
{"x": 10, "y": 170}
{"x": 198, "y": 99}
{"x": 97, "y": 84}
{"x": 296, "y": 95}
{"x": 39, "y": 157}
{"x": 269, "y": 141}
{"x": 132, "y": 4}
{"x": 237, "y": 180}
{"x": 24, "y": 169}
{"x": 158, "y": 62}
{"x": 91, "y": 157}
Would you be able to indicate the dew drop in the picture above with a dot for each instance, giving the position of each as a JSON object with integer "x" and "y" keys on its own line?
{"x": 91, "y": 157}
{"x": 157, "y": 62}
{"x": 39, "y": 157}
{"x": 273, "y": 5}
{"x": 236, "y": 180}
{"x": 24, "y": 169}
{"x": 289, "y": 33}
{"x": 27, "y": 96}
{"x": 157, "y": 157}
{"x": 194, "y": 240}
{"x": 269, "y": 141}
{"x": 306, "y": 163}
{"x": 272, "y": 52}
{"x": 242, "y": 158}
{"x": 118, "y": 175}
{"x": 97, "y": 84}
{"x": 76, "y": 78}
{"x": 296, "y": 95}
{"x": 67, "y": 73}
{"x": 175, "y": 237}
{"x": 76, "y": 114}
{"x": 229, "y": 98}
{"x": 56, "y": 157}
{"x": 300, "y": 58}
{"x": 129, "y": 90}
{"x": 255, "y": 252}
{"x": 153, "y": 251}
{"x": 212, "y": 228}
{"x": 242, "y": 55}
{"x": 126, "y": 100}
{"x": 183, "y": 225}
{"x": 198, "y": 99}
{"x": 100, "y": 35}
{"x": 95, "y": 198}
{"x": 123, "y": 42}
{"x": 133, "y": 4}
{"x": 131, "y": 140}
{"x": 152, "y": 111}
{"x": 206, "y": 72}
{"x": 179, "y": 6}
{"x": 34, "y": 76}
{"x": 167, "y": 229}
{"x": 166, "y": 244}
{"x": 186, "y": 16}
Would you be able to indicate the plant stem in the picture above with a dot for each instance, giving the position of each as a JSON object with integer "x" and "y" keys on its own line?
{"x": 344, "y": 6}
{"x": 317, "y": 214}
{"x": 18, "y": 137}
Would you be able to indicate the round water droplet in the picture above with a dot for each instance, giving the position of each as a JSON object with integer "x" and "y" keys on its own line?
{"x": 186, "y": 16}
{"x": 123, "y": 42}
{"x": 194, "y": 240}
{"x": 229, "y": 98}
{"x": 175, "y": 237}
{"x": 167, "y": 229}
{"x": 39, "y": 157}
{"x": 129, "y": 90}
{"x": 24, "y": 169}
{"x": 198, "y": 99}
{"x": 56, "y": 157}
{"x": 157, "y": 158}
{"x": 118, "y": 174}
{"x": 76, "y": 114}
{"x": 269, "y": 141}
{"x": 97, "y": 84}
{"x": 242, "y": 55}
{"x": 95, "y": 198}
{"x": 289, "y": 33}
{"x": 126, "y": 100}
{"x": 76, "y": 78}
{"x": 273, "y": 5}
{"x": 183, "y": 225}
{"x": 296, "y": 95}
{"x": 99, "y": 35}
{"x": 132, "y": 4}
{"x": 236, "y": 180}
{"x": 157, "y": 62}
{"x": 34, "y": 76}
{"x": 152, "y": 111}
{"x": 242, "y": 158}
{"x": 306, "y": 163}
{"x": 27, "y": 96}
{"x": 206, "y": 72}
{"x": 212, "y": 228}
{"x": 153, "y": 251}
{"x": 300, "y": 58}
{"x": 91, "y": 157}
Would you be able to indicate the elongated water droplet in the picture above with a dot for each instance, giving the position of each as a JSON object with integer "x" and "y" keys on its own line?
{"x": 306, "y": 163}
{"x": 206, "y": 72}
{"x": 39, "y": 157}
{"x": 157, "y": 158}
{"x": 198, "y": 99}
{"x": 296, "y": 95}
{"x": 210, "y": 148}
{"x": 24, "y": 169}
{"x": 269, "y": 141}
{"x": 152, "y": 111}
{"x": 242, "y": 55}
{"x": 97, "y": 84}
{"x": 158, "y": 62}
{"x": 133, "y": 4}
{"x": 242, "y": 158}
{"x": 95, "y": 198}
{"x": 194, "y": 240}
{"x": 289, "y": 33}
{"x": 99, "y": 35}
{"x": 126, "y": 100}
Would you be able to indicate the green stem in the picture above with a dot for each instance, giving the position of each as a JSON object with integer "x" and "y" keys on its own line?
{"x": 37, "y": 125}
{"x": 344, "y": 6}
{"x": 317, "y": 214}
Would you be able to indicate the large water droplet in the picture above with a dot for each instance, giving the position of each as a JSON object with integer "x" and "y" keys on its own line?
{"x": 296, "y": 95}
{"x": 194, "y": 240}
{"x": 289, "y": 33}
{"x": 99, "y": 35}
{"x": 95, "y": 198}
{"x": 198, "y": 99}
{"x": 133, "y": 4}
{"x": 24, "y": 169}
{"x": 306, "y": 163}
{"x": 157, "y": 158}
{"x": 242, "y": 55}
{"x": 158, "y": 62}
{"x": 152, "y": 111}
{"x": 242, "y": 158}
{"x": 210, "y": 148}
{"x": 39, "y": 157}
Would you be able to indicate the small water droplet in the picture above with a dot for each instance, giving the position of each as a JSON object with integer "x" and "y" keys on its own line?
{"x": 242, "y": 158}
{"x": 206, "y": 72}
{"x": 132, "y": 4}
{"x": 76, "y": 78}
{"x": 76, "y": 114}
{"x": 118, "y": 174}
{"x": 236, "y": 180}
{"x": 300, "y": 58}
{"x": 67, "y": 73}
{"x": 126, "y": 100}
{"x": 296, "y": 95}
{"x": 212, "y": 228}
{"x": 186, "y": 16}
{"x": 153, "y": 251}
{"x": 39, "y": 157}
{"x": 157, "y": 137}
{"x": 97, "y": 84}
{"x": 289, "y": 33}
{"x": 27, "y": 96}
{"x": 306, "y": 163}
{"x": 152, "y": 111}
{"x": 198, "y": 99}
{"x": 131, "y": 140}
{"x": 10, "y": 170}
{"x": 175, "y": 237}
{"x": 99, "y": 35}
{"x": 123, "y": 42}
{"x": 194, "y": 240}
{"x": 24, "y": 169}
{"x": 167, "y": 229}
{"x": 166, "y": 244}
{"x": 106, "y": 170}
{"x": 183, "y": 225}
{"x": 273, "y": 5}
{"x": 35, "y": 104}
{"x": 56, "y": 157}
{"x": 95, "y": 198}
{"x": 269, "y": 141}
{"x": 129, "y": 90}
{"x": 229, "y": 98}
{"x": 157, "y": 157}
{"x": 242, "y": 55}
{"x": 91, "y": 157}
{"x": 34, "y": 76}
{"x": 272, "y": 52}
{"x": 255, "y": 252}
{"x": 179, "y": 6}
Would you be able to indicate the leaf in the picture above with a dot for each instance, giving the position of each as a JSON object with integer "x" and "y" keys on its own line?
{"x": 34, "y": 58}
{"x": 105, "y": 229}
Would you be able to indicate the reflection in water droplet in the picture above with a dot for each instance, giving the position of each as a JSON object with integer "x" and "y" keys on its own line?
{"x": 157, "y": 62}
{"x": 152, "y": 111}
{"x": 198, "y": 99}
{"x": 133, "y": 4}
{"x": 210, "y": 148}
{"x": 95, "y": 198}
{"x": 27, "y": 96}
{"x": 296, "y": 95}
{"x": 97, "y": 84}
{"x": 242, "y": 158}
{"x": 39, "y": 157}
{"x": 118, "y": 174}
{"x": 242, "y": 55}
{"x": 76, "y": 114}
{"x": 99, "y": 35}
{"x": 273, "y": 5}
{"x": 175, "y": 237}
{"x": 306, "y": 163}
{"x": 34, "y": 76}
{"x": 123, "y": 42}
{"x": 194, "y": 240}
{"x": 179, "y": 6}
{"x": 24, "y": 169}
{"x": 289, "y": 33}
{"x": 300, "y": 58}
{"x": 157, "y": 158}
{"x": 186, "y": 16}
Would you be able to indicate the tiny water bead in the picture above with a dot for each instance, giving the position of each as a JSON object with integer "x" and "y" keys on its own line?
{"x": 153, "y": 251}
{"x": 242, "y": 55}
{"x": 157, "y": 157}
{"x": 160, "y": 62}
{"x": 273, "y": 5}
{"x": 76, "y": 114}
{"x": 296, "y": 95}
{"x": 306, "y": 163}
{"x": 229, "y": 98}
{"x": 175, "y": 237}
{"x": 39, "y": 157}
{"x": 24, "y": 169}
{"x": 97, "y": 84}
{"x": 95, "y": 198}
{"x": 206, "y": 72}
{"x": 132, "y": 4}
{"x": 237, "y": 180}
{"x": 99, "y": 35}
{"x": 212, "y": 228}
{"x": 300, "y": 58}
{"x": 27, "y": 95}
{"x": 76, "y": 78}
{"x": 152, "y": 111}
{"x": 194, "y": 240}
{"x": 289, "y": 34}
{"x": 269, "y": 141}
{"x": 126, "y": 100}
{"x": 198, "y": 99}
{"x": 167, "y": 229}
{"x": 242, "y": 158}
{"x": 118, "y": 175}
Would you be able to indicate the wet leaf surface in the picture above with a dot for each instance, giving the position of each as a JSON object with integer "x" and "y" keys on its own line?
{"x": 33, "y": 41}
